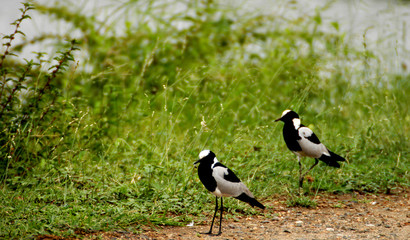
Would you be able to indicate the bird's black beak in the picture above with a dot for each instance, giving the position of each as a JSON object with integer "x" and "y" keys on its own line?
{"x": 195, "y": 163}
{"x": 278, "y": 119}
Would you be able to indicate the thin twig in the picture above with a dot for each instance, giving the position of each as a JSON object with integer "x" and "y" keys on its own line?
{"x": 66, "y": 56}
{"x": 11, "y": 37}
{"x": 18, "y": 84}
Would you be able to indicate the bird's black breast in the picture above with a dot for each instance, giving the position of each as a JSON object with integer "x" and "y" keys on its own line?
{"x": 205, "y": 175}
{"x": 291, "y": 137}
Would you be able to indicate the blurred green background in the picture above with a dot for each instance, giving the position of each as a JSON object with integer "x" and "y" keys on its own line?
{"x": 101, "y": 133}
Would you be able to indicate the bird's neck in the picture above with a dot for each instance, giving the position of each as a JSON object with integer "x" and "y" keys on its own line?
{"x": 208, "y": 163}
{"x": 296, "y": 123}
{"x": 289, "y": 127}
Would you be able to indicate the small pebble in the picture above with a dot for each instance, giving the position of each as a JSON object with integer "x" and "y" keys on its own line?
{"x": 232, "y": 226}
{"x": 286, "y": 231}
{"x": 330, "y": 229}
{"x": 369, "y": 225}
{"x": 298, "y": 223}
{"x": 143, "y": 236}
{"x": 275, "y": 219}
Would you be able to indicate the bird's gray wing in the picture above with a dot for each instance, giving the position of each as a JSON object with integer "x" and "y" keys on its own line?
{"x": 226, "y": 187}
{"x": 310, "y": 144}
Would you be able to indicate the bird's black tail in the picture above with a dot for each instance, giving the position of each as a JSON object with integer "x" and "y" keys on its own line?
{"x": 332, "y": 160}
{"x": 252, "y": 201}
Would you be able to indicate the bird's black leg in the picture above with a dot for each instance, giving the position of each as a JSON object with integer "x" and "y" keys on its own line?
{"x": 303, "y": 175}
{"x": 216, "y": 209}
{"x": 300, "y": 175}
{"x": 220, "y": 218}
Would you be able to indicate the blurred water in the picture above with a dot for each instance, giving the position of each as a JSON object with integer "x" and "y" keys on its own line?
{"x": 382, "y": 23}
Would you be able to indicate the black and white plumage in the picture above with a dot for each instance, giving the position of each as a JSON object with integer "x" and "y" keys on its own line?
{"x": 222, "y": 182}
{"x": 304, "y": 143}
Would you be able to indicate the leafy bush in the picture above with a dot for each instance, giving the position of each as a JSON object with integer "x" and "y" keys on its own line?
{"x": 31, "y": 106}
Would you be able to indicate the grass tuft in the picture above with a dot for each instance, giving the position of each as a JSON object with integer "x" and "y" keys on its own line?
{"x": 301, "y": 201}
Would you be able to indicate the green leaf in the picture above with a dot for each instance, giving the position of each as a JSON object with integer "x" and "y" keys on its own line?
{"x": 335, "y": 25}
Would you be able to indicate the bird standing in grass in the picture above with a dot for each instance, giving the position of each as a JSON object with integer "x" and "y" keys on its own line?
{"x": 304, "y": 143}
{"x": 222, "y": 182}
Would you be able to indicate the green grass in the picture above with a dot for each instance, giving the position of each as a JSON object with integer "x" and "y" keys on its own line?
{"x": 301, "y": 201}
{"x": 116, "y": 149}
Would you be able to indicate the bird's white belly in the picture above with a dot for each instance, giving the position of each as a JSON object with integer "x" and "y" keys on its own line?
{"x": 218, "y": 193}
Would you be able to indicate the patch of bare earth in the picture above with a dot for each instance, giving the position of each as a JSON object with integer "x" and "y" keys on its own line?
{"x": 349, "y": 216}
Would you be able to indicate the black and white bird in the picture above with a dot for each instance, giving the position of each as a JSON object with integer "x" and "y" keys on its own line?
{"x": 304, "y": 143}
{"x": 222, "y": 182}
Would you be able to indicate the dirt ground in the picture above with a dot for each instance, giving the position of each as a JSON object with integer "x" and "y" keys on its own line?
{"x": 349, "y": 216}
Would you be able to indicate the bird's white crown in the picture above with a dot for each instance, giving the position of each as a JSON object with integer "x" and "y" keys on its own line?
{"x": 285, "y": 112}
{"x": 204, "y": 153}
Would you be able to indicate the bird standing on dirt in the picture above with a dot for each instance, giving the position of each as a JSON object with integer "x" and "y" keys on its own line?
{"x": 222, "y": 182}
{"x": 304, "y": 143}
